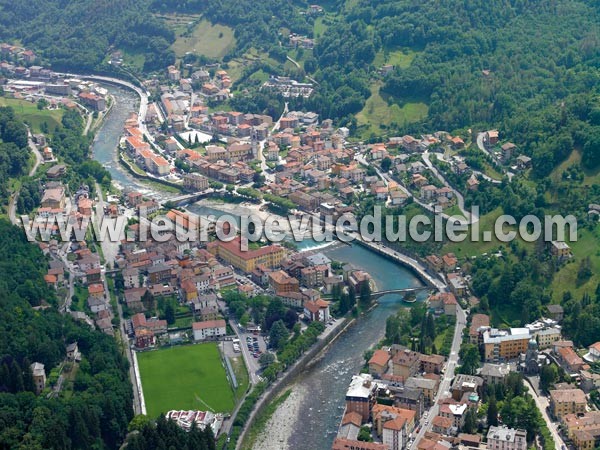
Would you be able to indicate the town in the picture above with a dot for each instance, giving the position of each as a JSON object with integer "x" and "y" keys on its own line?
{"x": 262, "y": 312}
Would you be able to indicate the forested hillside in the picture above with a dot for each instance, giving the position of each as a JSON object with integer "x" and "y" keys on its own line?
{"x": 76, "y": 35}
{"x": 96, "y": 413}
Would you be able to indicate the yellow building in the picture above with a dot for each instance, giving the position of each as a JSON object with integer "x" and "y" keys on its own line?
{"x": 504, "y": 345}
{"x": 567, "y": 401}
{"x": 269, "y": 256}
{"x": 590, "y": 421}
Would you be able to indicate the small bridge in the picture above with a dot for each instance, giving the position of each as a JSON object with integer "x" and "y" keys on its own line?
{"x": 187, "y": 198}
{"x": 375, "y": 295}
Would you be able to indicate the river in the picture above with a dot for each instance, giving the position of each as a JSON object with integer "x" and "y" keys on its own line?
{"x": 104, "y": 147}
{"x": 322, "y": 387}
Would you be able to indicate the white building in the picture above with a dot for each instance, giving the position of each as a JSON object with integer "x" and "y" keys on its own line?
{"x": 209, "y": 329}
{"x": 504, "y": 438}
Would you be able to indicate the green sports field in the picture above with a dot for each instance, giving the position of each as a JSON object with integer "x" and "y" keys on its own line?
{"x": 188, "y": 377}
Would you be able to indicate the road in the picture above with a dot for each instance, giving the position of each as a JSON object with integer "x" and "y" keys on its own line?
{"x": 444, "y": 389}
{"x": 460, "y": 200}
{"x": 387, "y": 178}
{"x": 12, "y": 204}
{"x": 263, "y": 161}
{"x": 542, "y": 405}
{"x": 482, "y": 147}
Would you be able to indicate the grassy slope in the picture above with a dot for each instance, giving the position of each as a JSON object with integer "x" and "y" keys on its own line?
{"x": 189, "y": 377}
{"x": 377, "y": 112}
{"x": 32, "y": 116}
{"x": 206, "y": 39}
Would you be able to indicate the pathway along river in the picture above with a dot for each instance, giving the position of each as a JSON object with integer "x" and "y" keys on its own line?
{"x": 322, "y": 387}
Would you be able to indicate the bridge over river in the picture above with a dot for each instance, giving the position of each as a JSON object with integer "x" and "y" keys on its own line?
{"x": 377, "y": 294}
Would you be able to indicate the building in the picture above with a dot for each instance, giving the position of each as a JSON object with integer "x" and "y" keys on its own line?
{"x": 432, "y": 363}
{"x": 494, "y": 373}
{"x": 504, "y": 345}
{"x": 360, "y": 396}
{"x": 406, "y": 363}
{"x": 281, "y": 282}
{"x": 39, "y": 377}
{"x": 350, "y": 426}
{"x": 455, "y": 412}
{"x": 593, "y": 354}
{"x": 347, "y": 444}
{"x": 504, "y": 438}
{"x": 427, "y": 386}
{"x": 393, "y": 425}
{"x": 555, "y": 312}
{"x": 478, "y": 321}
{"x": 466, "y": 384}
{"x": 209, "y": 329}
{"x": 92, "y": 100}
{"x": 567, "y": 401}
{"x": 317, "y": 310}
{"x": 378, "y": 363}
{"x": 573, "y": 422}
{"x": 560, "y": 250}
{"x": 269, "y": 256}
{"x": 195, "y": 182}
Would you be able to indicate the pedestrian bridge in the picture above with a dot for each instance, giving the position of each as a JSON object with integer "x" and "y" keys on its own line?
{"x": 375, "y": 295}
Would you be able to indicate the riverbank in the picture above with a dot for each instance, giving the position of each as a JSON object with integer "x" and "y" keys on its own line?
{"x": 310, "y": 358}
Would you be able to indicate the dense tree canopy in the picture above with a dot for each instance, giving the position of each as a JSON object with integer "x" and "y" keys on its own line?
{"x": 98, "y": 411}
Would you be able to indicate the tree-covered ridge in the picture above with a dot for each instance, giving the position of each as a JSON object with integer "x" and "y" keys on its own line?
{"x": 97, "y": 412}
{"x": 76, "y": 35}
{"x": 14, "y": 153}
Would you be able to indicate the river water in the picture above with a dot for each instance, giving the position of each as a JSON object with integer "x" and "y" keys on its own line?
{"x": 323, "y": 385}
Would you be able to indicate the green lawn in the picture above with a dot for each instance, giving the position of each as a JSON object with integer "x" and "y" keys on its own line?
{"x": 397, "y": 58}
{"x": 188, "y": 377}
{"x": 377, "y": 115}
{"x": 566, "y": 278}
{"x": 32, "y": 115}
{"x": 206, "y": 39}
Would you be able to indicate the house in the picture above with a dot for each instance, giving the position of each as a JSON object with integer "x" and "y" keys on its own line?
{"x": 491, "y": 138}
{"x": 133, "y": 298}
{"x": 478, "y": 321}
{"x": 589, "y": 421}
{"x": 449, "y": 262}
{"x": 209, "y": 329}
{"x": 39, "y": 377}
{"x": 378, "y": 364}
{"x": 316, "y": 310}
{"x": 454, "y": 411}
{"x": 131, "y": 277}
{"x": 463, "y": 384}
{"x": 494, "y": 373}
{"x": 406, "y": 363}
{"x": 523, "y": 162}
{"x": 442, "y": 425}
{"x": 427, "y": 386}
{"x": 507, "y": 151}
{"x": 504, "y": 438}
{"x": 281, "y": 282}
{"x": 555, "y": 312}
{"x": 195, "y": 182}
{"x": 567, "y": 401}
{"x": 560, "y": 250}
{"x": 593, "y": 354}
{"x": 570, "y": 360}
{"x": 73, "y": 353}
{"x": 350, "y": 426}
{"x": 432, "y": 363}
